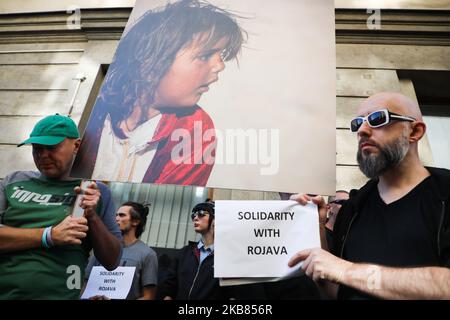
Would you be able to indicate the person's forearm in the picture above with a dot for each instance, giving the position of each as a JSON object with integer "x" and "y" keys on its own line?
{"x": 106, "y": 245}
{"x": 17, "y": 239}
{"x": 323, "y": 237}
{"x": 399, "y": 283}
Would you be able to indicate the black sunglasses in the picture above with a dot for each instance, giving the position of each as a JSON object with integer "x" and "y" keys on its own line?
{"x": 339, "y": 201}
{"x": 378, "y": 119}
{"x": 200, "y": 214}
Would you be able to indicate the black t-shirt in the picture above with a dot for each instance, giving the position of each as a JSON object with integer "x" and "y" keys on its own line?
{"x": 399, "y": 234}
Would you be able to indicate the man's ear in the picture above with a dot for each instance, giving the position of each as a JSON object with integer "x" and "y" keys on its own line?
{"x": 76, "y": 144}
{"x": 418, "y": 131}
{"x": 135, "y": 222}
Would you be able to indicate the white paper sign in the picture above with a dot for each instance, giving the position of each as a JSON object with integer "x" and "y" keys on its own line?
{"x": 114, "y": 284}
{"x": 257, "y": 238}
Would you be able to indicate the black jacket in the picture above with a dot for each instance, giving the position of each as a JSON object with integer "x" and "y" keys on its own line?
{"x": 189, "y": 281}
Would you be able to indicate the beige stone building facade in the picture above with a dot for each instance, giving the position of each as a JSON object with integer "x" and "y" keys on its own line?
{"x": 54, "y": 60}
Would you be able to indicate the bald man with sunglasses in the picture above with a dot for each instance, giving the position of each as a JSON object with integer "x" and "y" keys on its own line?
{"x": 391, "y": 239}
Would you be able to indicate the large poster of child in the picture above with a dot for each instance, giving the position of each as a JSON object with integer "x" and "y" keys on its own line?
{"x": 228, "y": 94}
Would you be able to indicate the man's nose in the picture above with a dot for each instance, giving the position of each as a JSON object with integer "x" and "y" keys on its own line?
{"x": 364, "y": 130}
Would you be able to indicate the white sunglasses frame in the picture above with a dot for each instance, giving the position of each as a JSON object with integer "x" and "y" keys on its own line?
{"x": 388, "y": 115}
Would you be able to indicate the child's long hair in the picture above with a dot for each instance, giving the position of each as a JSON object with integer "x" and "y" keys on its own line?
{"x": 147, "y": 51}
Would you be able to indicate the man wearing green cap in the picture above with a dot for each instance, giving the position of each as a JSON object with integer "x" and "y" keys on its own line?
{"x": 43, "y": 248}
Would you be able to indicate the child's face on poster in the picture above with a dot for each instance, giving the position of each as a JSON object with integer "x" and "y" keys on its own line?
{"x": 192, "y": 72}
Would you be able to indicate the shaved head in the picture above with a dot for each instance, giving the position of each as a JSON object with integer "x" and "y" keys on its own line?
{"x": 384, "y": 148}
{"x": 394, "y": 102}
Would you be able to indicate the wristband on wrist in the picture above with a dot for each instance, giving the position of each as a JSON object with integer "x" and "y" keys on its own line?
{"x": 44, "y": 238}
{"x": 49, "y": 237}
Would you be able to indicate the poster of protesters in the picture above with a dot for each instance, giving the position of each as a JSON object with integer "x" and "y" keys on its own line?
{"x": 225, "y": 94}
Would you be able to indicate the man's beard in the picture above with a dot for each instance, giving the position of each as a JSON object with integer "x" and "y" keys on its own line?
{"x": 126, "y": 230}
{"x": 389, "y": 156}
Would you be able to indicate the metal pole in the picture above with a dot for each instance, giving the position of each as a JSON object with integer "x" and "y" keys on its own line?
{"x": 80, "y": 77}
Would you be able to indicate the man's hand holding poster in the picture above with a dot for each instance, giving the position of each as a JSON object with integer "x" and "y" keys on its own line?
{"x": 257, "y": 238}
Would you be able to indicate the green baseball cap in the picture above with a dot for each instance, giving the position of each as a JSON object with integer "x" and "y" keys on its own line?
{"x": 52, "y": 130}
